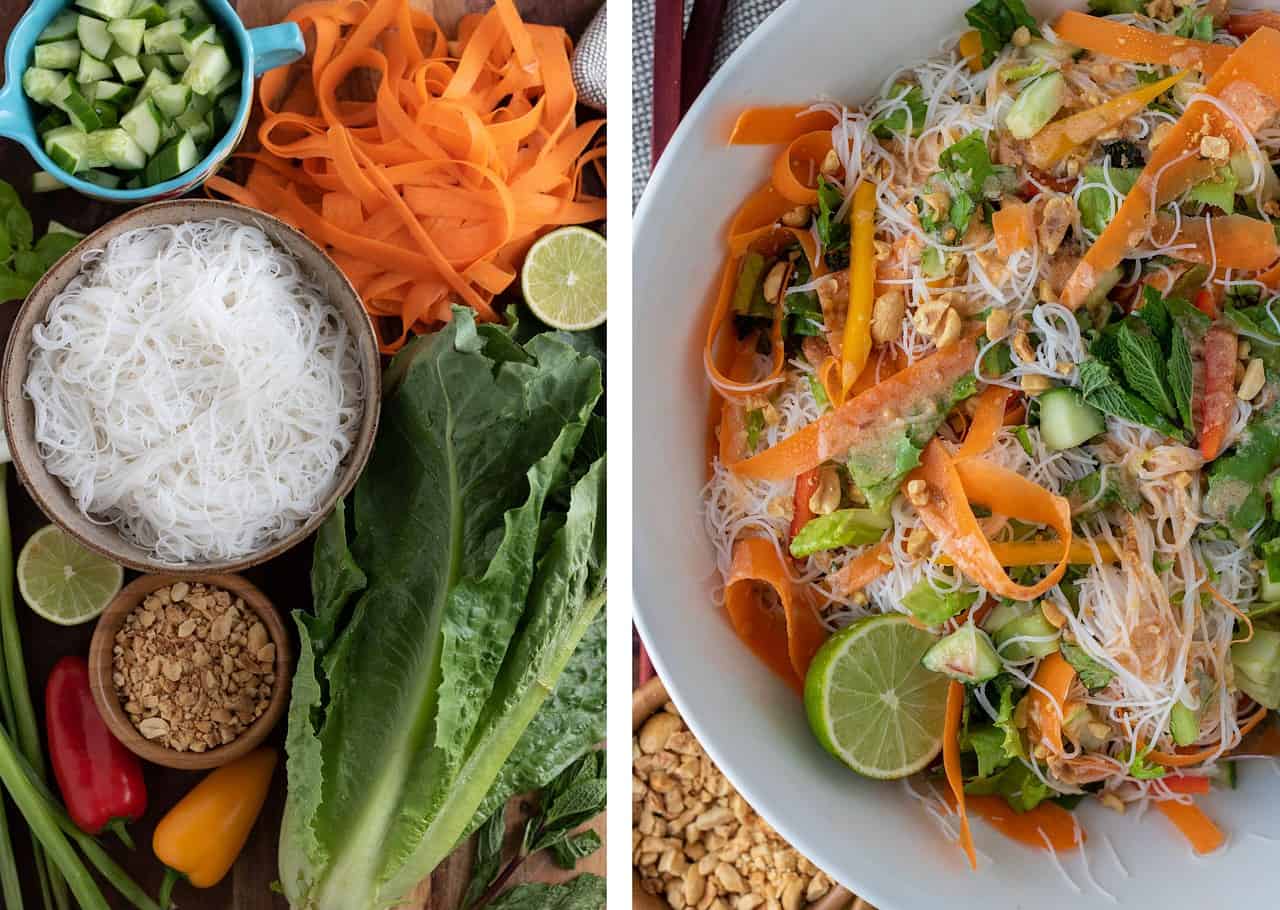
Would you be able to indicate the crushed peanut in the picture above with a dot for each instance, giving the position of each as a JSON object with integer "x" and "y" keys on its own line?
{"x": 193, "y": 667}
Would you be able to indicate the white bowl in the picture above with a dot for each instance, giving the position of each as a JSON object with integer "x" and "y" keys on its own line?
{"x": 871, "y": 836}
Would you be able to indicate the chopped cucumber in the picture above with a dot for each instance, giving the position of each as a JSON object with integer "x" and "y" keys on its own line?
{"x": 58, "y": 55}
{"x": 94, "y": 37}
{"x": 149, "y": 11}
{"x": 134, "y": 183}
{"x": 207, "y": 70}
{"x": 177, "y": 157}
{"x": 51, "y": 121}
{"x": 108, "y": 113}
{"x": 128, "y": 34}
{"x": 113, "y": 92}
{"x": 101, "y": 178}
{"x": 106, "y": 9}
{"x": 129, "y": 69}
{"x": 172, "y": 99}
{"x": 225, "y": 112}
{"x": 92, "y": 69}
{"x": 68, "y": 147}
{"x": 191, "y": 10}
{"x": 150, "y": 62}
{"x": 1038, "y": 103}
{"x": 229, "y": 81}
{"x": 156, "y": 79}
{"x": 200, "y": 105}
{"x": 57, "y": 227}
{"x": 44, "y": 182}
{"x": 1066, "y": 421}
{"x": 965, "y": 655}
{"x": 81, "y": 111}
{"x": 144, "y": 124}
{"x": 201, "y": 131}
{"x": 196, "y": 36}
{"x": 177, "y": 62}
{"x": 63, "y": 26}
{"x": 165, "y": 38}
{"x": 1184, "y": 724}
{"x": 119, "y": 149}
{"x": 1029, "y": 635}
{"x": 41, "y": 84}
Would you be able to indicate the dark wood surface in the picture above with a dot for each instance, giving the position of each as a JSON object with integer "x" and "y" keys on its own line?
{"x": 284, "y": 580}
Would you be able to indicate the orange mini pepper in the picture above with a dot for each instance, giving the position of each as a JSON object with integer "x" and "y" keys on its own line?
{"x": 203, "y": 834}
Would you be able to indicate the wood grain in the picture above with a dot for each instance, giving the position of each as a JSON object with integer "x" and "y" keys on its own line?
{"x": 284, "y": 580}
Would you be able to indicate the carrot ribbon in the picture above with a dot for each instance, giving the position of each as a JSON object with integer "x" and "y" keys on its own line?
{"x": 773, "y": 125}
{"x": 1139, "y": 45}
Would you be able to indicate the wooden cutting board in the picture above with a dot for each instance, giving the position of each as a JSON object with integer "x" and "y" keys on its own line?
{"x": 284, "y": 580}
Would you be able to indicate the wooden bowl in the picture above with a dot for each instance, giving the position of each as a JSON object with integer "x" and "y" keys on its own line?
{"x": 52, "y": 496}
{"x": 649, "y": 700}
{"x": 113, "y": 713}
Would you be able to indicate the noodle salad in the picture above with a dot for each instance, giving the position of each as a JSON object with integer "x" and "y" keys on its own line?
{"x": 997, "y": 390}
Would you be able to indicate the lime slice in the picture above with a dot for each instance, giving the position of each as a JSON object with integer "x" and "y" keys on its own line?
{"x": 564, "y": 279}
{"x": 63, "y": 581}
{"x": 870, "y": 701}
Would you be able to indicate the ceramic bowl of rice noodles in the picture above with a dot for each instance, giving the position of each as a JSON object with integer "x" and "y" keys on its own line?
{"x": 192, "y": 389}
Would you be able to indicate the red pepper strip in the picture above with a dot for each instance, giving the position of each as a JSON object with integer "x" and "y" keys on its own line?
{"x": 834, "y": 433}
{"x": 101, "y": 781}
{"x": 951, "y": 765}
{"x": 1198, "y": 828}
{"x": 953, "y": 484}
{"x": 785, "y": 640}
{"x": 1186, "y": 783}
{"x": 1206, "y": 304}
{"x": 987, "y": 420}
{"x": 801, "y": 514}
{"x": 1220, "y": 346}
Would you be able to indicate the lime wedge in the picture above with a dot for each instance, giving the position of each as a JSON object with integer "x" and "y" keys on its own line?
{"x": 564, "y": 279}
{"x": 63, "y": 581}
{"x": 870, "y": 701}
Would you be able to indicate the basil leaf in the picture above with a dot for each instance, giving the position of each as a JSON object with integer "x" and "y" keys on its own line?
{"x": 12, "y": 285}
{"x": 841, "y": 528}
{"x": 1093, "y": 675}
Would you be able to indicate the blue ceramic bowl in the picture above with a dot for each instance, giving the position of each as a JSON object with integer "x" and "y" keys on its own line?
{"x": 258, "y": 49}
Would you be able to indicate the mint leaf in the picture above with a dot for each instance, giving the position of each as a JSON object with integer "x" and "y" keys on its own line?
{"x": 488, "y": 861}
{"x": 1093, "y": 675}
{"x": 1101, "y": 389}
{"x": 568, "y": 851}
{"x": 12, "y": 285}
{"x": 996, "y": 21}
{"x": 1155, "y": 313}
{"x": 901, "y": 119}
{"x": 968, "y": 163}
{"x": 1143, "y": 364}
{"x": 1180, "y": 372}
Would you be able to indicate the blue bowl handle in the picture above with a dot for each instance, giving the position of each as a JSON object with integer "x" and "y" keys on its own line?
{"x": 14, "y": 122}
{"x": 275, "y": 45}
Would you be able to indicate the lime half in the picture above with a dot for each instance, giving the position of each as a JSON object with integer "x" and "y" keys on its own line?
{"x": 564, "y": 279}
{"x": 63, "y": 581}
{"x": 870, "y": 701}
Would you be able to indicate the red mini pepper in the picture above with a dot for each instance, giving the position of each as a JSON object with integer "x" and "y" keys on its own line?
{"x": 101, "y": 780}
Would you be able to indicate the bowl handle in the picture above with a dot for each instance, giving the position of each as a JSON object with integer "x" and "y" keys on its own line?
{"x": 14, "y": 121}
{"x": 275, "y": 45}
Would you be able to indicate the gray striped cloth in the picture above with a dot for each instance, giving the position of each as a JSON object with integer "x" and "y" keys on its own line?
{"x": 740, "y": 19}
{"x": 590, "y": 64}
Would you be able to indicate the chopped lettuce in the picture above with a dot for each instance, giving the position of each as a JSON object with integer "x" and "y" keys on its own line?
{"x": 933, "y": 607}
{"x": 906, "y": 117}
{"x": 1021, "y": 787}
{"x": 1095, "y": 203}
{"x": 841, "y": 528}
{"x": 1218, "y": 190}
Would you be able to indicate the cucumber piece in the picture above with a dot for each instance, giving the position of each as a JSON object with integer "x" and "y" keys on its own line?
{"x": 51, "y": 121}
{"x": 207, "y": 70}
{"x": 114, "y": 92}
{"x": 134, "y": 182}
{"x": 129, "y": 69}
{"x": 200, "y": 105}
{"x": 63, "y": 26}
{"x": 94, "y": 37}
{"x": 230, "y": 81}
{"x": 165, "y": 38}
{"x": 92, "y": 70}
{"x": 118, "y": 147}
{"x": 1038, "y": 103}
{"x": 1066, "y": 421}
{"x": 101, "y": 178}
{"x": 965, "y": 655}
{"x": 201, "y": 131}
{"x": 225, "y": 113}
{"x": 1031, "y": 625}
{"x": 189, "y": 117}
{"x": 144, "y": 123}
{"x": 196, "y": 36}
{"x": 172, "y": 100}
{"x": 191, "y": 10}
{"x": 67, "y": 146}
{"x": 58, "y": 55}
{"x": 128, "y": 34}
{"x": 177, "y": 62}
{"x": 178, "y": 156}
{"x": 105, "y": 9}
{"x": 1184, "y": 724}
{"x": 149, "y": 11}
{"x": 41, "y": 84}
{"x": 57, "y": 227}
{"x": 108, "y": 113}
{"x": 81, "y": 111}
{"x": 44, "y": 182}
{"x": 156, "y": 79}
{"x": 150, "y": 62}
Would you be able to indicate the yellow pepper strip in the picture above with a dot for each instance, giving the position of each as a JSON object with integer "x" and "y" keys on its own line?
{"x": 203, "y": 834}
{"x": 862, "y": 287}
{"x": 1055, "y": 141}
{"x": 1044, "y": 553}
{"x": 971, "y": 50}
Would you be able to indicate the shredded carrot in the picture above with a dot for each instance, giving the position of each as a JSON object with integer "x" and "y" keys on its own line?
{"x": 1055, "y": 676}
{"x": 856, "y": 346}
{"x": 784, "y": 640}
{"x": 1239, "y": 242}
{"x": 1199, "y": 830}
{"x": 1014, "y": 227}
{"x": 862, "y": 570}
{"x": 1139, "y": 45}
{"x": 1044, "y": 826}
{"x": 1197, "y": 756}
{"x": 987, "y": 421}
{"x": 720, "y": 326}
{"x": 773, "y": 125}
{"x": 951, "y": 765}
{"x": 430, "y": 193}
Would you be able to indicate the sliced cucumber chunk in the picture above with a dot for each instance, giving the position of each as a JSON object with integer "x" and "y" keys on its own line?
{"x": 58, "y": 55}
{"x": 165, "y": 38}
{"x": 57, "y": 227}
{"x": 144, "y": 123}
{"x": 129, "y": 69}
{"x": 94, "y": 37}
{"x": 150, "y": 62}
{"x": 92, "y": 70}
{"x": 134, "y": 183}
{"x": 81, "y": 111}
{"x": 156, "y": 79}
{"x": 114, "y": 92}
{"x": 101, "y": 178}
{"x": 149, "y": 11}
{"x": 200, "y": 105}
{"x": 201, "y": 131}
{"x": 177, "y": 157}
{"x": 230, "y": 81}
{"x": 119, "y": 149}
{"x": 106, "y": 9}
{"x": 191, "y": 10}
{"x": 51, "y": 121}
{"x": 225, "y": 112}
{"x": 172, "y": 100}
{"x": 44, "y": 182}
{"x": 965, "y": 655}
{"x": 1038, "y": 103}
{"x": 196, "y": 36}
{"x": 177, "y": 62}
{"x": 68, "y": 148}
{"x": 207, "y": 70}
{"x": 41, "y": 84}
{"x": 108, "y": 113}
{"x": 63, "y": 26}
{"x": 1066, "y": 420}
{"x": 128, "y": 34}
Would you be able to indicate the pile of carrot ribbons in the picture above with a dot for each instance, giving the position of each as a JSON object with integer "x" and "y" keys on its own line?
{"x": 786, "y": 640}
{"x": 430, "y": 194}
